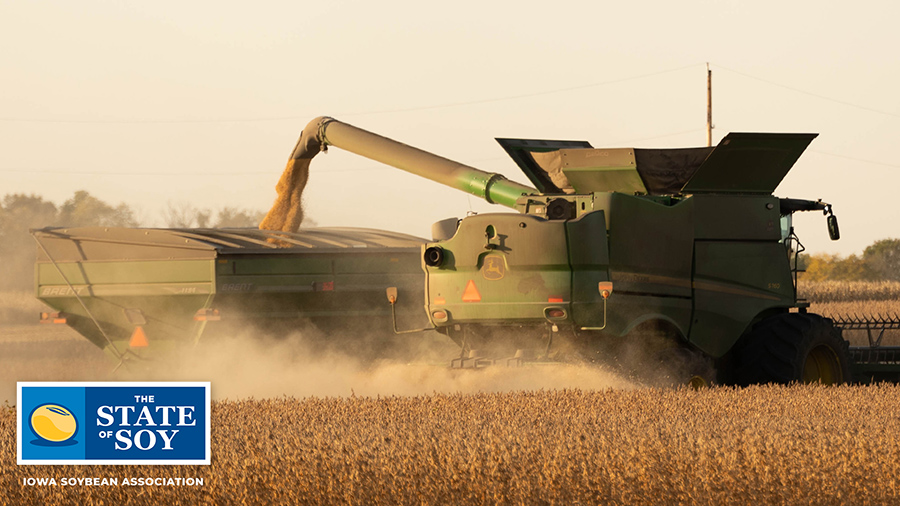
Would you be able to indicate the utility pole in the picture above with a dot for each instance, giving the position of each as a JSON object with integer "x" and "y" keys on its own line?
{"x": 709, "y": 125}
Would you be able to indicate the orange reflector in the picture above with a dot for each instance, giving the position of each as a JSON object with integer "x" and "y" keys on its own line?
{"x": 606, "y": 288}
{"x": 56, "y": 317}
{"x": 439, "y": 301}
{"x": 471, "y": 294}
{"x": 440, "y": 316}
{"x": 555, "y": 300}
{"x": 138, "y": 338}
{"x": 207, "y": 315}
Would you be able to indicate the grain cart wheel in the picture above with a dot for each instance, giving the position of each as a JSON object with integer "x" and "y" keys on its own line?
{"x": 793, "y": 347}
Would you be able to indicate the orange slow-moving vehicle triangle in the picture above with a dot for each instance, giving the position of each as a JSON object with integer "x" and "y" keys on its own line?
{"x": 471, "y": 294}
{"x": 138, "y": 338}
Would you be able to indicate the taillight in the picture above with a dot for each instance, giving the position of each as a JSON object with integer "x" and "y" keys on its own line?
{"x": 555, "y": 313}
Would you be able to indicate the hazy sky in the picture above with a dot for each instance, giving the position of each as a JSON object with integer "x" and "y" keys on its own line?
{"x": 156, "y": 102}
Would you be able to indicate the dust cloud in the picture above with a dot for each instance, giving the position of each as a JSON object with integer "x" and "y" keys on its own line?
{"x": 245, "y": 366}
{"x": 243, "y": 363}
{"x": 47, "y": 353}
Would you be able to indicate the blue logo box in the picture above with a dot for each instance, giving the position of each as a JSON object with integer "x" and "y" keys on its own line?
{"x": 113, "y": 423}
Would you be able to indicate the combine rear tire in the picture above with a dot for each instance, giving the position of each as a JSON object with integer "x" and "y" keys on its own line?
{"x": 793, "y": 347}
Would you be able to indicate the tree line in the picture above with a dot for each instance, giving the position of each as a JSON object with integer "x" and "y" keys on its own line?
{"x": 879, "y": 262}
{"x": 20, "y": 213}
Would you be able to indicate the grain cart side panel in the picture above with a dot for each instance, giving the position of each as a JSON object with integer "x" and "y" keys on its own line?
{"x": 173, "y": 288}
{"x": 105, "y": 274}
{"x": 510, "y": 277}
{"x": 651, "y": 256}
{"x": 589, "y": 258}
{"x": 172, "y": 282}
{"x": 331, "y": 288}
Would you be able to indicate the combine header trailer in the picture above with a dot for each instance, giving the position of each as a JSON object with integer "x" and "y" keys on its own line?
{"x": 684, "y": 253}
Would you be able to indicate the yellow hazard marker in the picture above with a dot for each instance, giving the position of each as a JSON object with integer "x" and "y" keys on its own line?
{"x": 471, "y": 294}
{"x": 138, "y": 338}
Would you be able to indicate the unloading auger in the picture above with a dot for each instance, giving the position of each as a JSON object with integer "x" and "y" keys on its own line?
{"x": 325, "y": 131}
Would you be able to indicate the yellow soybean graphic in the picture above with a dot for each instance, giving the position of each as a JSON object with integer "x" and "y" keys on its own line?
{"x": 53, "y": 422}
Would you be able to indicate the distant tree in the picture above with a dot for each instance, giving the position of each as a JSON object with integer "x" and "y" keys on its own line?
{"x": 83, "y": 210}
{"x": 883, "y": 258}
{"x": 234, "y": 217}
{"x": 824, "y": 267}
{"x": 19, "y": 213}
{"x": 803, "y": 260}
{"x": 185, "y": 215}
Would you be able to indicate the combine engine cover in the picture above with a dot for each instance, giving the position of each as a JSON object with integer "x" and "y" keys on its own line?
{"x": 504, "y": 270}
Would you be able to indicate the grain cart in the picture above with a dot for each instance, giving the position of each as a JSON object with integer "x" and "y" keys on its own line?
{"x": 610, "y": 246}
{"x": 137, "y": 293}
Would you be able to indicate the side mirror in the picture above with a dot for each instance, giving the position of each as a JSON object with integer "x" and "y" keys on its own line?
{"x": 833, "y": 231}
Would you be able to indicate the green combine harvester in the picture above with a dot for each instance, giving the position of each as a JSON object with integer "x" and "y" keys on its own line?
{"x": 684, "y": 254}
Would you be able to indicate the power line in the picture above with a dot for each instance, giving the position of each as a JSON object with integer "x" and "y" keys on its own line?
{"x": 79, "y": 172}
{"x": 816, "y": 95}
{"x": 526, "y": 95}
{"x": 358, "y": 169}
{"x": 873, "y": 162}
{"x": 673, "y": 134}
{"x": 347, "y": 114}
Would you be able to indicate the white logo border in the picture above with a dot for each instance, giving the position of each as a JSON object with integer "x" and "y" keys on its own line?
{"x": 119, "y": 462}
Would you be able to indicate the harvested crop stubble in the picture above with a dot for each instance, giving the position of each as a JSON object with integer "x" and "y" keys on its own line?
{"x": 759, "y": 445}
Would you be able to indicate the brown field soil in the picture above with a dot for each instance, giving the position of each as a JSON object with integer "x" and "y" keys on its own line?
{"x": 758, "y": 445}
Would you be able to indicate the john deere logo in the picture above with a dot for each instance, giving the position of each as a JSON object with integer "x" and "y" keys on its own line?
{"x": 494, "y": 268}
{"x": 53, "y": 424}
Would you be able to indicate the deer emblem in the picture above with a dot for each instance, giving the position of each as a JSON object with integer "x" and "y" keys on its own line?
{"x": 494, "y": 268}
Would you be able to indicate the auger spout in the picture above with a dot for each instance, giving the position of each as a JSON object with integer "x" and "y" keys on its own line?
{"x": 325, "y": 131}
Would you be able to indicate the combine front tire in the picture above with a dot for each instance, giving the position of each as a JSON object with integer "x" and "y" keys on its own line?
{"x": 793, "y": 347}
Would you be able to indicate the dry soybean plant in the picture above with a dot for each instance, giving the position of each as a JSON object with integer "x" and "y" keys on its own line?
{"x": 758, "y": 445}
